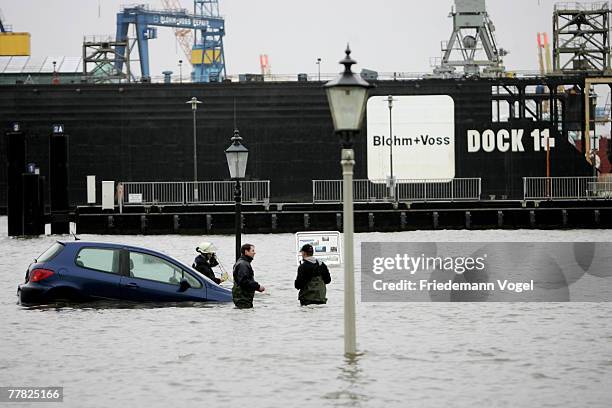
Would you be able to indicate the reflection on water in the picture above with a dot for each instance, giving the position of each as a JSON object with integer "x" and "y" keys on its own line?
{"x": 115, "y": 304}
{"x": 279, "y": 354}
{"x": 351, "y": 381}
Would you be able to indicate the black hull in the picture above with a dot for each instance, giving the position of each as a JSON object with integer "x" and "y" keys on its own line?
{"x": 143, "y": 132}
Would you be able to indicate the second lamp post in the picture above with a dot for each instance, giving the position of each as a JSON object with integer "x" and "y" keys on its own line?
{"x": 391, "y": 179}
{"x": 237, "y": 156}
{"x": 194, "y": 107}
{"x": 347, "y": 95}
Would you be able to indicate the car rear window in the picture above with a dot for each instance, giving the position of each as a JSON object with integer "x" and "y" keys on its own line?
{"x": 51, "y": 252}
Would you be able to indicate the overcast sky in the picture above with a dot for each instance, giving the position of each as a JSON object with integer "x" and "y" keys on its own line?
{"x": 385, "y": 35}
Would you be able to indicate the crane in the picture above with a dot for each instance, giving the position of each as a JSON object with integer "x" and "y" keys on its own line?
{"x": 472, "y": 44}
{"x": 207, "y": 55}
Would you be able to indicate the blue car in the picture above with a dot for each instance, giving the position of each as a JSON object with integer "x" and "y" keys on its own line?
{"x": 92, "y": 270}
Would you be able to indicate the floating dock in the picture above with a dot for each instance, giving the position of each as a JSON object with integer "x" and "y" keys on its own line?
{"x": 380, "y": 217}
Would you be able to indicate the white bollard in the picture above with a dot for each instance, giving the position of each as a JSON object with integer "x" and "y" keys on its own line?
{"x": 91, "y": 189}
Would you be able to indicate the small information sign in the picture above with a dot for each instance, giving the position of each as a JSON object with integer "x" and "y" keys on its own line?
{"x": 135, "y": 198}
{"x": 327, "y": 245}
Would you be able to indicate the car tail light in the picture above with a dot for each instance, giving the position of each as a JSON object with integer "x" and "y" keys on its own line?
{"x": 39, "y": 274}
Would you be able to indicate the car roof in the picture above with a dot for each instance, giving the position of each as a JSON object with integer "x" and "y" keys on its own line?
{"x": 82, "y": 244}
{"x": 76, "y": 245}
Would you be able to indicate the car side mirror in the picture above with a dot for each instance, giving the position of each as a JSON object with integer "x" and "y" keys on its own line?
{"x": 184, "y": 285}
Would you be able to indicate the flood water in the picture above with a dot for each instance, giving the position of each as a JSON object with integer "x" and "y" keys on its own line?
{"x": 283, "y": 355}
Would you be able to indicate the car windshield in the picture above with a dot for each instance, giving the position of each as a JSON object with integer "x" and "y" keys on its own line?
{"x": 51, "y": 252}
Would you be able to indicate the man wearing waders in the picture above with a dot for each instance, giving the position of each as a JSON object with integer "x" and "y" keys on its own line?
{"x": 312, "y": 276}
{"x": 244, "y": 279}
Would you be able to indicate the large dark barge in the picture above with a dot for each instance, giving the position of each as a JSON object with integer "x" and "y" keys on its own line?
{"x": 142, "y": 132}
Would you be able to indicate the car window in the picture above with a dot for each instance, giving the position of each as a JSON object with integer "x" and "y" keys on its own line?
{"x": 100, "y": 259}
{"x": 51, "y": 252}
{"x": 145, "y": 266}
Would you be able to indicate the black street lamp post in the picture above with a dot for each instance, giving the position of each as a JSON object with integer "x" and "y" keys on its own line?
{"x": 347, "y": 95}
{"x": 237, "y": 156}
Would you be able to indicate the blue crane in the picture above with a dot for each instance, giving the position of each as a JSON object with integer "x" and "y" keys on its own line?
{"x": 208, "y": 56}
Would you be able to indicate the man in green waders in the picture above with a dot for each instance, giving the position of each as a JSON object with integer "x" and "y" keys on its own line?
{"x": 244, "y": 279}
{"x": 311, "y": 279}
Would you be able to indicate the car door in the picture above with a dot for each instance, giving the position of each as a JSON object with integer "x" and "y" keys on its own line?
{"x": 152, "y": 278}
{"x": 96, "y": 272}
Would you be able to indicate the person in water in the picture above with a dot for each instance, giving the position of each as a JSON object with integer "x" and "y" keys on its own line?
{"x": 206, "y": 260}
{"x": 245, "y": 284}
{"x": 312, "y": 276}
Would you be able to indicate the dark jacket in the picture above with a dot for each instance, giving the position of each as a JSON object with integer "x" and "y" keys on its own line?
{"x": 245, "y": 284}
{"x": 201, "y": 265}
{"x": 310, "y": 281}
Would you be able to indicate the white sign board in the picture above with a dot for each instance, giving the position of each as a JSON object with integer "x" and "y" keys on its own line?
{"x": 108, "y": 195}
{"x": 423, "y": 140}
{"x": 327, "y": 245}
{"x": 135, "y": 198}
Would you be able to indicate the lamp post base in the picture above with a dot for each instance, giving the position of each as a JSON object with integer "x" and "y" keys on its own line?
{"x": 391, "y": 186}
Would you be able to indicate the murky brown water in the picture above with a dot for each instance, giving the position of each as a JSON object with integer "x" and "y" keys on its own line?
{"x": 281, "y": 355}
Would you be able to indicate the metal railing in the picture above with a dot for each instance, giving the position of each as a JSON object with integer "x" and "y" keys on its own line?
{"x": 593, "y": 6}
{"x": 457, "y": 189}
{"x": 565, "y": 188}
{"x": 600, "y": 189}
{"x": 330, "y": 191}
{"x": 146, "y": 193}
{"x": 191, "y": 192}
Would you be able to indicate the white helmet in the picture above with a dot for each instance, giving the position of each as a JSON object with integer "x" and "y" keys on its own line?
{"x": 206, "y": 248}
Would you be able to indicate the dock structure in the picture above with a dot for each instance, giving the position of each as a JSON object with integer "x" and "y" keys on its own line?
{"x": 369, "y": 217}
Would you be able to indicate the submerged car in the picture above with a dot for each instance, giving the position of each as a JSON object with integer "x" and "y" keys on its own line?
{"x": 92, "y": 270}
